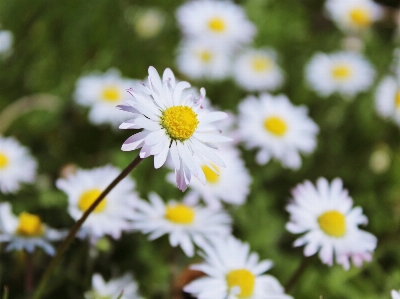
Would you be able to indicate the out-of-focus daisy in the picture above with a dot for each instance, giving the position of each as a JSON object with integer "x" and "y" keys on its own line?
{"x": 233, "y": 272}
{"x": 257, "y": 70}
{"x": 198, "y": 59}
{"x": 387, "y": 99}
{"x": 220, "y": 22}
{"x": 185, "y": 223}
{"x": 281, "y": 130}
{"x": 26, "y": 232}
{"x": 112, "y": 215}
{"x": 347, "y": 73}
{"x": 149, "y": 22}
{"x": 16, "y": 165}
{"x": 102, "y": 92}
{"x": 173, "y": 124}
{"x": 6, "y": 41}
{"x": 113, "y": 288}
{"x": 395, "y": 294}
{"x": 353, "y": 15}
{"x": 326, "y": 215}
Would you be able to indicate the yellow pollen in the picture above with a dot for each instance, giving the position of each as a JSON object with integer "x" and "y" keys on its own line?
{"x": 361, "y": 17}
{"x": 243, "y": 279}
{"x": 333, "y": 223}
{"x": 180, "y": 122}
{"x": 111, "y": 94}
{"x": 396, "y": 100}
{"x": 275, "y": 125}
{"x": 205, "y": 56}
{"x": 3, "y": 161}
{"x": 341, "y": 72}
{"x": 180, "y": 214}
{"x": 217, "y": 24}
{"x": 261, "y": 64}
{"x": 88, "y": 197}
{"x": 211, "y": 176}
{"x": 29, "y": 225}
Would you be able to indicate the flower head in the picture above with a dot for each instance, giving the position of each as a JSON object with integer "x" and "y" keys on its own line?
{"x": 6, "y": 41}
{"x": 387, "y": 99}
{"x": 395, "y": 294}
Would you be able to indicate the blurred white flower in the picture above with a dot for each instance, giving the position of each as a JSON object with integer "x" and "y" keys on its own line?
{"x": 395, "y": 294}
{"x": 387, "y": 99}
{"x": 16, "y": 165}
{"x": 186, "y": 224}
{"x": 281, "y": 130}
{"x": 6, "y": 42}
{"x": 113, "y": 214}
{"x": 149, "y": 22}
{"x": 325, "y": 214}
{"x": 257, "y": 70}
{"x": 347, "y": 73}
{"x": 233, "y": 272}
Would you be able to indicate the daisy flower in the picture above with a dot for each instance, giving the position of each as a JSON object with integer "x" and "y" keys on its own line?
{"x": 281, "y": 130}
{"x": 185, "y": 223}
{"x": 16, "y": 165}
{"x": 173, "y": 124}
{"x": 395, "y": 294}
{"x": 387, "y": 99}
{"x": 347, "y": 73}
{"x": 101, "y": 93}
{"x": 26, "y": 232}
{"x": 6, "y": 41}
{"x": 257, "y": 70}
{"x": 325, "y": 215}
{"x": 113, "y": 288}
{"x": 233, "y": 272}
{"x": 148, "y": 23}
{"x": 114, "y": 212}
{"x": 221, "y": 22}
{"x": 353, "y": 15}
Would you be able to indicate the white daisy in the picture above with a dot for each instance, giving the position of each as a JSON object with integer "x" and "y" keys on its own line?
{"x": 325, "y": 214}
{"x": 347, "y": 73}
{"x": 221, "y": 22}
{"x": 353, "y": 15}
{"x": 173, "y": 124}
{"x": 102, "y": 92}
{"x": 26, "y": 232}
{"x": 16, "y": 165}
{"x": 113, "y": 288}
{"x": 387, "y": 99}
{"x": 257, "y": 70}
{"x": 281, "y": 130}
{"x": 185, "y": 223}
{"x": 395, "y": 294}
{"x": 233, "y": 272}
{"x": 6, "y": 41}
{"x": 198, "y": 59}
{"x": 148, "y": 22}
{"x": 112, "y": 215}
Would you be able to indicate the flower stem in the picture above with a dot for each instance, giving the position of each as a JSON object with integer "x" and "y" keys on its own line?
{"x": 64, "y": 245}
{"x": 298, "y": 273}
{"x": 29, "y": 275}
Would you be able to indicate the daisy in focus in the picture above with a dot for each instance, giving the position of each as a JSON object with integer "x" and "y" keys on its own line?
{"x": 325, "y": 214}
{"x": 16, "y": 165}
{"x": 113, "y": 288}
{"x": 257, "y": 70}
{"x": 233, "y": 272}
{"x": 186, "y": 224}
{"x": 395, "y": 294}
{"x": 101, "y": 93}
{"x": 279, "y": 129}
{"x": 26, "y": 232}
{"x": 347, "y": 73}
{"x": 173, "y": 123}
{"x": 387, "y": 99}
{"x": 221, "y": 22}
{"x": 112, "y": 216}
{"x": 6, "y": 42}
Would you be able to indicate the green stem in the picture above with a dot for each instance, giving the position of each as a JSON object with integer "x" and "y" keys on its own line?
{"x": 298, "y": 273}
{"x": 5, "y": 294}
{"x": 64, "y": 245}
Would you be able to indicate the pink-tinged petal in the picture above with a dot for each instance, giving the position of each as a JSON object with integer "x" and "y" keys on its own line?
{"x": 145, "y": 151}
{"x": 134, "y": 141}
{"x": 155, "y": 137}
{"x": 158, "y": 147}
{"x": 154, "y": 79}
{"x": 180, "y": 179}
{"x": 212, "y": 117}
{"x": 147, "y": 124}
{"x": 202, "y": 96}
{"x": 129, "y": 124}
{"x": 175, "y": 156}
{"x": 168, "y": 75}
{"x": 159, "y": 159}
{"x": 187, "y": 158}
{"x": 127, "y": 108}
{"x": 177, "y": 96}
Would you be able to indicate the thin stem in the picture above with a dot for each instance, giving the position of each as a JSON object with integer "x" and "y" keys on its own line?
{"x": 64, "y": 245}
{"x": 29, "y": 276}
{"x": 5, "y": 294}
{"x": 298, "y": 273}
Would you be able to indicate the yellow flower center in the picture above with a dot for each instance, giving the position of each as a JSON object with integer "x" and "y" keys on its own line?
{"x": 217, "y": 24}
{"x": 205, "y": 56}
{"x": 88, "y": 197}
{"x": 180, "y": 122}
{"x": 261, "y": 64}
{"x": 396, "y": 100}
{"x": 29, "y": 225}
{"x": 275, "y": 125}
{"x": 243, "y": 279}
{"x": 333, "y": 223}
{"x": 180, "y": 214}
{"x": 3, "y": 161}
{"x": 111, "y": 94}
{"x": 211, "y": 176}
{"x": 341, "y": 72}
{"x": 361, "y": 17}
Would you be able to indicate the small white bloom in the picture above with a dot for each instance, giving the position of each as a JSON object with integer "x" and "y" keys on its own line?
{"x": 113, "y": 288}
{"x": 26, "y": 232}
{"x": 257, "y": 70}
{"x": 220, "y": 22}
{"x": 387, "y": 99}
{"x": 325, "y": 214}
{"x": 102, "y": 92}
{"x": 185, "y": 223}
{"x": 148, "y": 22}
{"x": 173, "y": 124}
{"x": 395, "y": 294}
{"x": 16, "y": 165}
{"x": 112, "y": 215}
{"x": 281, "y": 130}
{"x": 233, "y": 272}
{"x": 347, "y": 73}
{"x": 6, "y": 41}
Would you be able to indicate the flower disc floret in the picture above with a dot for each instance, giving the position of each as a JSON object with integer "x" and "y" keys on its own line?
{"x": 111, "y": 94}
{"x": 29, "y": 225}
{"x": 3, "y": 161}
{"x": 275, "y": 125}
{"x": 88, "y": 198}
{"x": 180, "y": 214}
{"x": 212, "y": 177}
{"x": 333, "y": 223}
{"x": 217, "y": 24}
{"x": 243, "y": 279}
{"x": 180, "y": 122}
{"x": 361, "y": 16}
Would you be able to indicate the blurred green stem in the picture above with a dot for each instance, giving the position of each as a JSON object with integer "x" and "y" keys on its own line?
{"x": 64, "y": 245}
{"x": 29, "y": 275}
{"x": 298, "y": 273}
{"x": 5, "y": 294}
